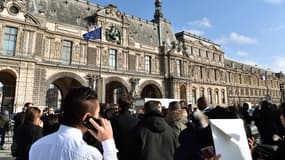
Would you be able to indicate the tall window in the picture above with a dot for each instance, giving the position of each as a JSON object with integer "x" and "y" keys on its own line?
{"x": 223, "y": 96}
{"x": 201, "y": 72}
{"x": 210, "y": 96}
{"x": 194, "y": 96}
{"x": 229, "y": 76}
{"x": 112, "y": 58}
{"x": 215, "y": 72}
{"x": 10, "y": 38}
{"x": 217, "y": 96}
{"x": 249, "y": 80}
{"x": 178, "y": 67}
{"x": 202, "y": 92}
{"x": 66, "y": 52}
{"x": 147, "y": 64}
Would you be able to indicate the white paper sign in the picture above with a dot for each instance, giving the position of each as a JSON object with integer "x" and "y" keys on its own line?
{"x": 230, "y": 139}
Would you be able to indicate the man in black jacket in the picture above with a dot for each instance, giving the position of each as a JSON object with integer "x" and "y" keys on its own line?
{"x": 123, "y": 125}
{"x": 154, "y": 138}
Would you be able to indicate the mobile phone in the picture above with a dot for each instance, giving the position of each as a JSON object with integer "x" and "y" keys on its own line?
{"x": 88, "y": 125}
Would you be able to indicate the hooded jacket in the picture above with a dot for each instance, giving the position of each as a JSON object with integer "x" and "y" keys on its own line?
{"x": 154, "y": 138}
{"x": 177, "y": 120}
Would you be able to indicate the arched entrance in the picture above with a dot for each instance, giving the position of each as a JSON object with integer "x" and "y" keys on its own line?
{"x": 113, "y": 91}
{"x": 151, "y": 91}
{"x": 7, "y": 90}
{"x": 58, "y": 89}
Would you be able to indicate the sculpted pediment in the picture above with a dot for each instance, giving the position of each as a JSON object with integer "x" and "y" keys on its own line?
{"x": 110, "y": 11}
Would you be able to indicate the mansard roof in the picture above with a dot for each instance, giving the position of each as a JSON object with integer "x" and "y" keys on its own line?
{"x": 71, "y": 12}
{"x": 246, "y": 67}
{"x": 75, "y": 12}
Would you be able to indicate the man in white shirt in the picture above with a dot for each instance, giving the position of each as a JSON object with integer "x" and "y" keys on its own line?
{"x": 67, "y": 143}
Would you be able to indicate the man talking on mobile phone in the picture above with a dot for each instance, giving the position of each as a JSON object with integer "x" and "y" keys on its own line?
{"x": 67, "y": 143}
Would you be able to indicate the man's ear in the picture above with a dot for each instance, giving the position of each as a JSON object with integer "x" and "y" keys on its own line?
{"x": 85, "y": 116}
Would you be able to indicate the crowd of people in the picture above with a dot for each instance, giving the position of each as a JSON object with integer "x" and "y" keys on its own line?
{"x": 179, "y": 132}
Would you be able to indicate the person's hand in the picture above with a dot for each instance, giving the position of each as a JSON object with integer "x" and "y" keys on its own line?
{"x": 251, "y": 143}
{"x": 217, "y": 157}
{"x": 104, "y": 130}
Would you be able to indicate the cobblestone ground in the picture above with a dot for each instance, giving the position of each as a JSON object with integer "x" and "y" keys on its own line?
{"x": 6, "y": 153}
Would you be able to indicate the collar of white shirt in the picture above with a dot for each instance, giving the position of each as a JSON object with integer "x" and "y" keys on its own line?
{"x": 70, "y": 131}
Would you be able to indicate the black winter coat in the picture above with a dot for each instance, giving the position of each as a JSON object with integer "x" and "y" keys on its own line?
{"x": 154, "y": 139}
{"x": 123, "y": 126}
{"x": 279, "y": 154}
{"x": 26, "y": 135}
{"x": 193, "y": 140}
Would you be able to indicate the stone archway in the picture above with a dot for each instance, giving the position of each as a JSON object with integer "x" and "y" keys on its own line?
{"x": 114, "y": 90}
{"x": 59, "y": 85}
{"x": 7, "y": 89}
{"x": 150, "y": 89}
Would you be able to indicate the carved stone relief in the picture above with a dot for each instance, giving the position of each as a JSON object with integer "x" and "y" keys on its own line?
{"x": 120, "y": 59}
{"x": 76, "y": 53}
{"x": 105, "y": 58}
{"x": 57, "y": 50}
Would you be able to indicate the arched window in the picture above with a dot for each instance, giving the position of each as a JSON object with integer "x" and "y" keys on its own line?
{"x": 202, "y": 92}
{"x": 223, "y": 96}
{"x": 217, "y": 96}
{"x": 210, "y": 96}
{"x": 194, "y": 96}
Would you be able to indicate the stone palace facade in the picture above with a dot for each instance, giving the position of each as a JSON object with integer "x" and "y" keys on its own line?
{"x": 43, "y": 55}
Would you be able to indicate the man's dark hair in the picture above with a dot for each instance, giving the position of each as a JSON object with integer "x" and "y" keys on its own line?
{"x": 245, "y": 106}
{"x": 125, "y": 102}
{"x": 201, "y": 103}
{"x": 75, "y": 106}
{"x": 51, "y": 124}
{"x": 174, "y": 106}
{"x": 151, "y": 106}
{"x": 201, "y": 99}
{"x": 27, "y": 104}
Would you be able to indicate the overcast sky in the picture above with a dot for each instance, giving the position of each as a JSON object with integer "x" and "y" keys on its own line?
{"x": 249, "y": 31}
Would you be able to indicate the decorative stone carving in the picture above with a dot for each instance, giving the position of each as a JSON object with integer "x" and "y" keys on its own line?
{"x": 76, "y": 53}
{"x": 57, "y": 50}
{"x": 113, "y": 34}
{"x": 111, "y": 11}
{"x": 134, "y": 86}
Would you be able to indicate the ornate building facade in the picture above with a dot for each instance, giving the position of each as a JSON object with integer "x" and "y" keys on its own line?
{"x": 43, "y": 54}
